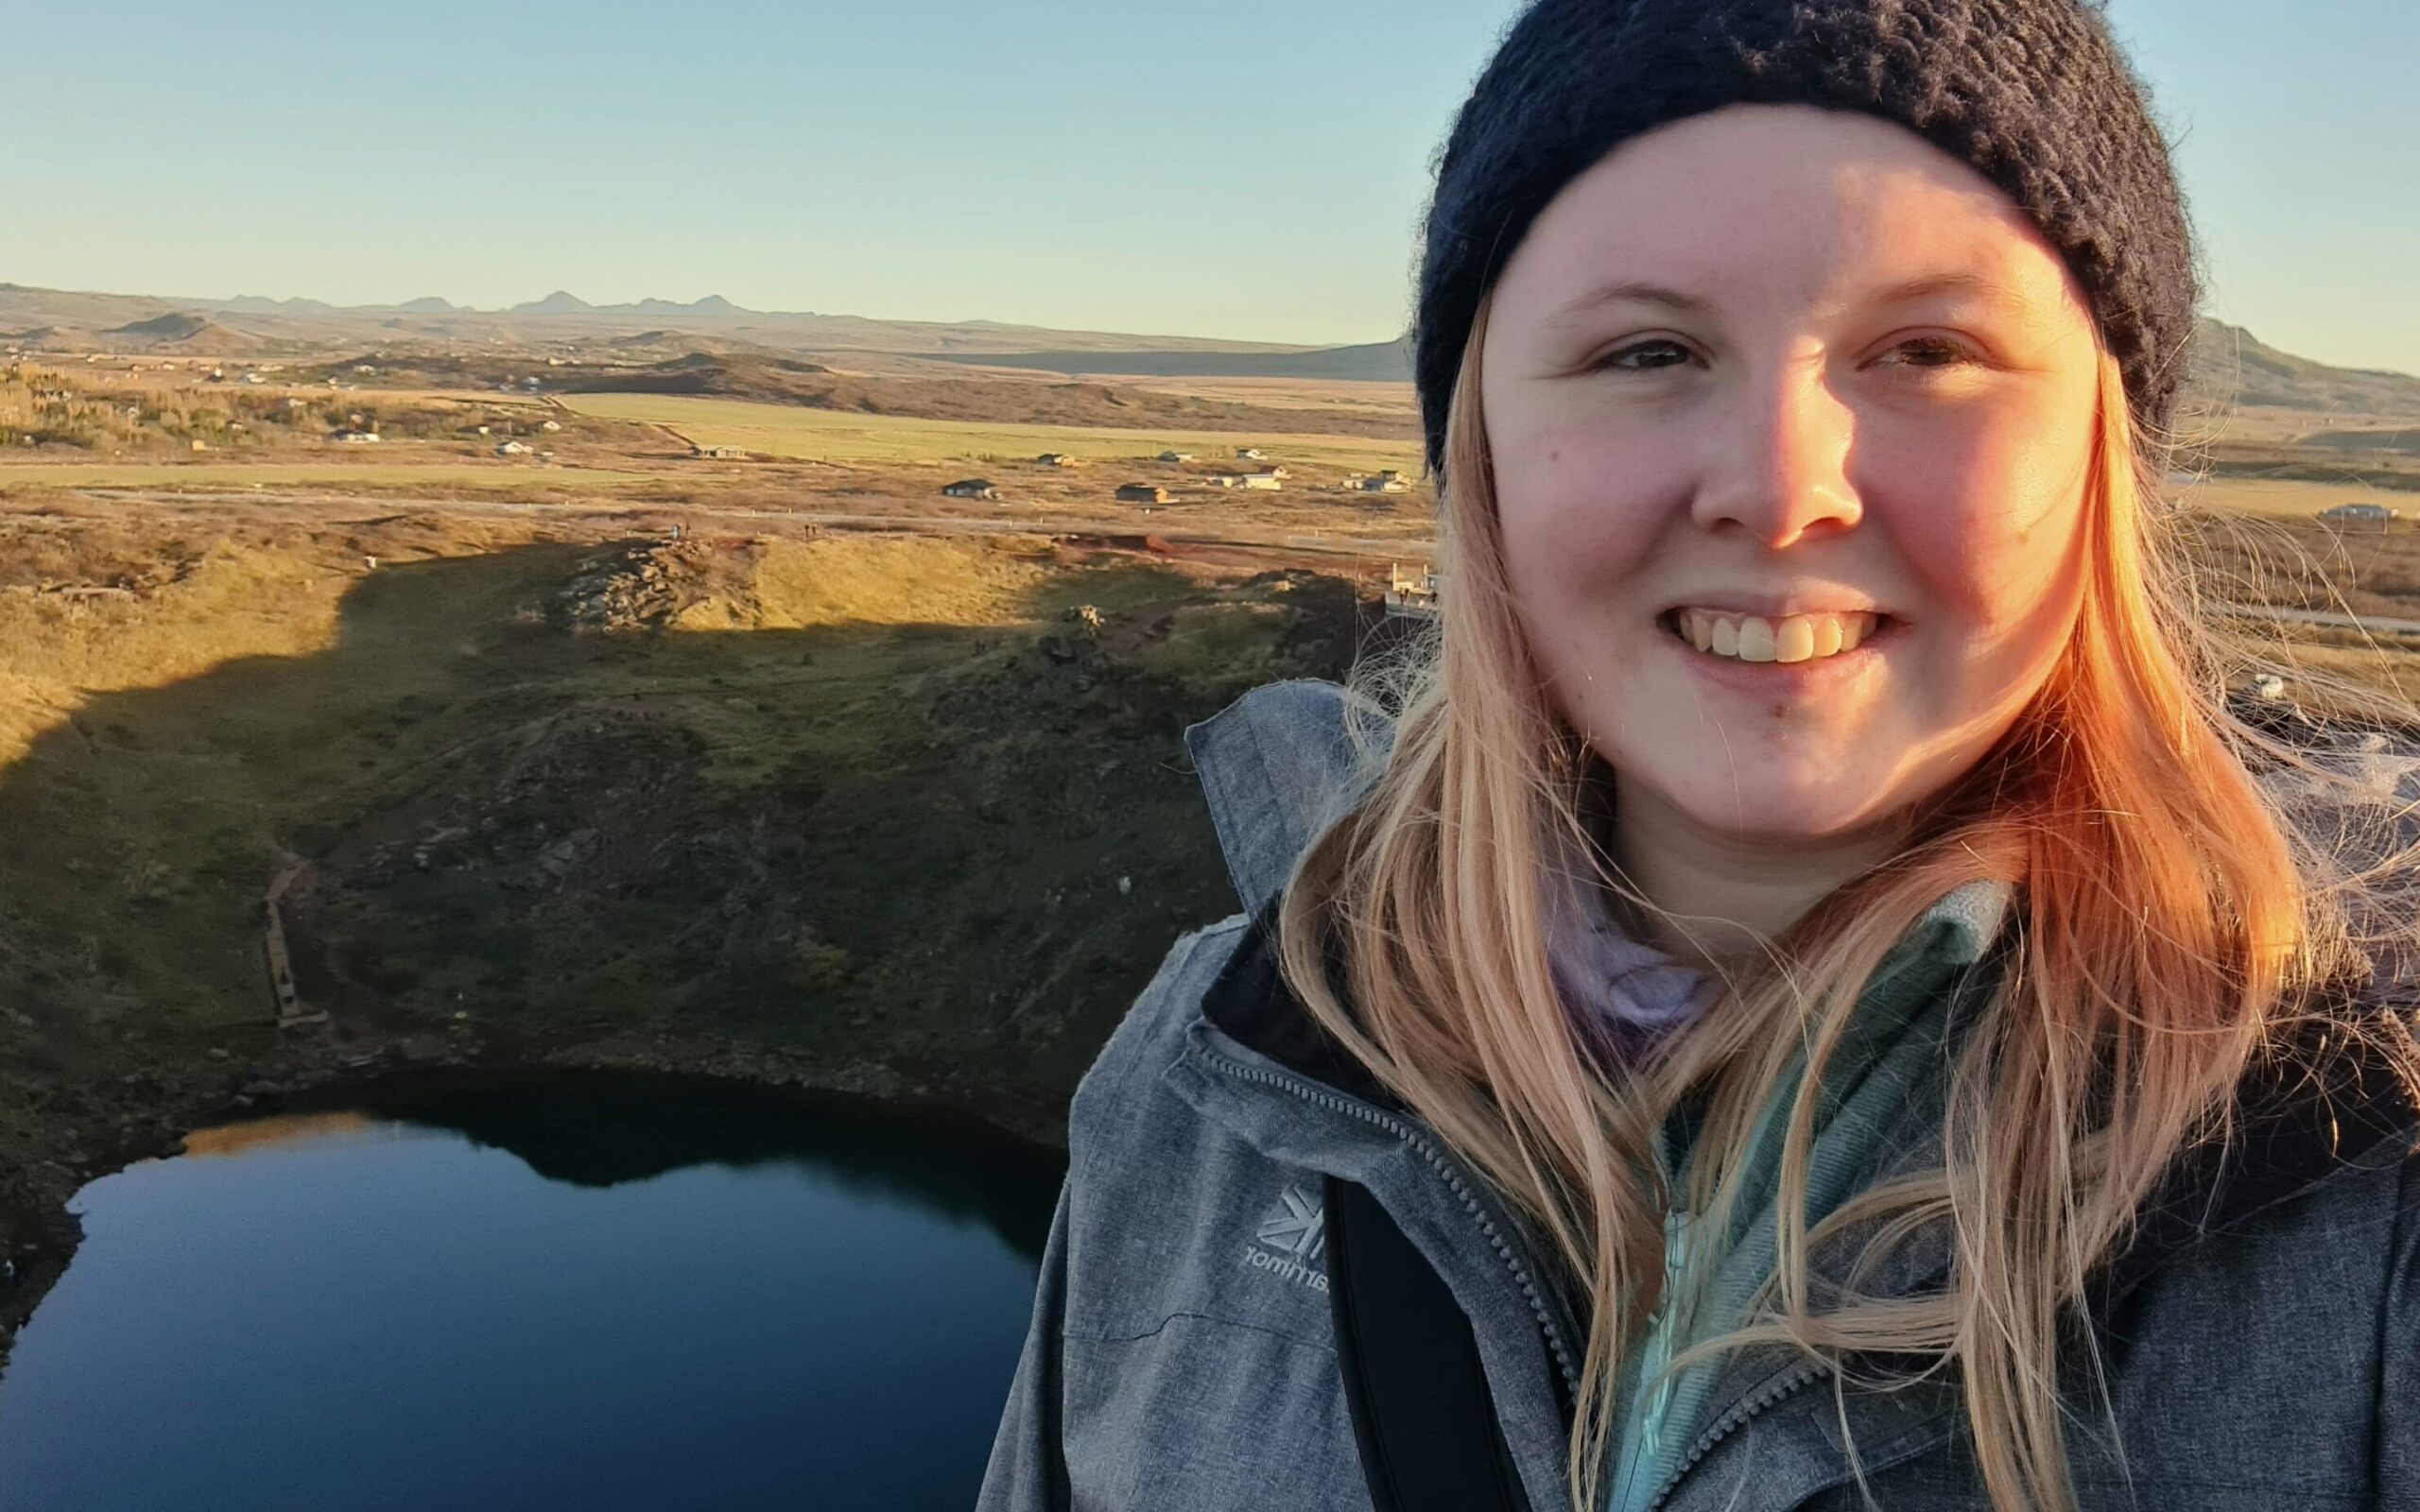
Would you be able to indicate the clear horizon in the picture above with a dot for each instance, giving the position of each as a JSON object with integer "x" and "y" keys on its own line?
{"x": 1082, "y": 164}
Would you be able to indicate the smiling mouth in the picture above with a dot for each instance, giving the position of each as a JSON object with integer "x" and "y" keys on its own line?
{"x": 1790, "y": 639}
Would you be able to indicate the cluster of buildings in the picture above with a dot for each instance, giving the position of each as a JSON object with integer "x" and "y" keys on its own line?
{"x": 1268, "y": 477}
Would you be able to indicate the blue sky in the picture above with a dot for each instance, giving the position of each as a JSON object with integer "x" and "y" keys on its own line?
{"x": 1251, "y": 169}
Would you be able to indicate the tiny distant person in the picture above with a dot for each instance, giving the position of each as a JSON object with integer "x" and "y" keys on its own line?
{"x": 1809, "y": 994}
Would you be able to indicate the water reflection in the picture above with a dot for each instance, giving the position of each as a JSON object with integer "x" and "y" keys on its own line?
{"x": 594, "y": 1292}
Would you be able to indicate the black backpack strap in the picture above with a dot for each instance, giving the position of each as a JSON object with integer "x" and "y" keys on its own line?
{"x": 1423, "y": 1415}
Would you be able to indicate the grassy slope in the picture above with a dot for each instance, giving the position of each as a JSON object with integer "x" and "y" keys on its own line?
{"x": 853, "y": 810}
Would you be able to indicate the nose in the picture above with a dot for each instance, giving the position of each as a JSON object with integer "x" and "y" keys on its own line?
{"x": 1778, "y": 469}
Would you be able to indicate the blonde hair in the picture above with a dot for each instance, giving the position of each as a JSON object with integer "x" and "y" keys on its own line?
{"x": 2171, "y": 922}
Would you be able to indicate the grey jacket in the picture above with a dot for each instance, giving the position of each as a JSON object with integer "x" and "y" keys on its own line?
{"x": 2261, "y": 1341}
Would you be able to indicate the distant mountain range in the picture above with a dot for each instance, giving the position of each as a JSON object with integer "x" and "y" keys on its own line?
{"x": 712, "y": 307}
{"x": 2229, "y": 366}
{"x": 65, "y": 320}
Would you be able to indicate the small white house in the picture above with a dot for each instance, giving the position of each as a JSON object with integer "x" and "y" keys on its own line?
{"x": 1176, "y": 457}
{"x": 512, "y": 449}
{"x": 552, "y": 425}
{"x": 357, "y": 437}
{"x": 1410, "y": 596}
{"x": 1251, "y": 454}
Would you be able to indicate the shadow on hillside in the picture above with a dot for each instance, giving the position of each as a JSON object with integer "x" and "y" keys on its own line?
{"x": 955, "y": 851}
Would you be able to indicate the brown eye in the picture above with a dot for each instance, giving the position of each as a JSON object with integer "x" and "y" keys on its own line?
{"x": 1933, "y": 352}
{"x": 1618, "y": 359}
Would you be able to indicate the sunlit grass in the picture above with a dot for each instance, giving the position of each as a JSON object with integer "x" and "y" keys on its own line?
{"x": 837, "y": 435}
{"x": 2273, "y": 496}
{"x": 308, "y": 475}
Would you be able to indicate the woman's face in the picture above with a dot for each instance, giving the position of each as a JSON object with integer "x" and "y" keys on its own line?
{"x": 1783, "y": 380}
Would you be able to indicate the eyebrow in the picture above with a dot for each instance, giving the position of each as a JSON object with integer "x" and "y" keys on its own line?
{"x": 1950, "y": 281}
{"x": 1631, "y": 291}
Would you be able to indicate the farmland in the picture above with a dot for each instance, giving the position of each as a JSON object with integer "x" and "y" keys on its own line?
{"x": 434, "y": 474}
{"x": 838, "y": 436}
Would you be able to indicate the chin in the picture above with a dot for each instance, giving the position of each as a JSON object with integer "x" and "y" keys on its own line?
{"x": 1780, "y": 814}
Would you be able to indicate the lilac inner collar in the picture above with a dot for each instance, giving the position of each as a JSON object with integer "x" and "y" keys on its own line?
{"x": 1606, "y": 976}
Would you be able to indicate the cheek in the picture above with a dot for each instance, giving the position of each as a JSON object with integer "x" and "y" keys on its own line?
{"x": 1991, "y": 525}
{"x": 1577, "y": 516}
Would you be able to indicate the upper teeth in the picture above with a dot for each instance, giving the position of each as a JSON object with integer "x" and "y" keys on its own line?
{"x": 1792, "y": 637}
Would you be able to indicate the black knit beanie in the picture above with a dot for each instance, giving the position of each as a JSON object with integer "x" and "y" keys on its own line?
{"x": 2033, "y": 93}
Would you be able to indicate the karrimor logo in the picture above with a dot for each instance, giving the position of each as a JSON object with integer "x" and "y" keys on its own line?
{"x": 1292, "y": 1241}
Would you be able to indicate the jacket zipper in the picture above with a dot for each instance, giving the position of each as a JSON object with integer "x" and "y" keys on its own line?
{"x": 1721, "y": 1428}
{"x": 1733, "y": 1420}
{"x": 1405, "y": 1131}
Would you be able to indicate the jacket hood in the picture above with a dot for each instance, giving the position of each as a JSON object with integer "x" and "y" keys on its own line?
{"x": 1279, "y": 767}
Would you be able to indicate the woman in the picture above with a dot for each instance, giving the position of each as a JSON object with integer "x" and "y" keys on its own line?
{"x": 1815, "y": 972}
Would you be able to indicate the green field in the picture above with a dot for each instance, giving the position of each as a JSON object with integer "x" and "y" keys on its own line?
{"x": 835, "y": 436}
{"x": 308, "y": 475}
{"x": 2277, "y": 496}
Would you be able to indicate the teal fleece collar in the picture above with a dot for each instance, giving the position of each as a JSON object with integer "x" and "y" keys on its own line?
{"x": 1889, "y": 1070}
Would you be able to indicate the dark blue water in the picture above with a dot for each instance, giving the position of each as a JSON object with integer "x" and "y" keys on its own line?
{"x": 600, "y": 1292}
